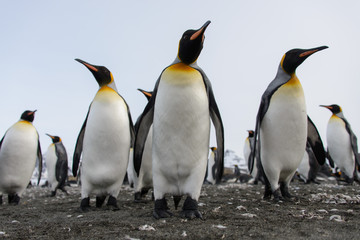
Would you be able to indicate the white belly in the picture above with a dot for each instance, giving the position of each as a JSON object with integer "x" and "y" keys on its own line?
{"x": 304, "y": 167}
{"x": 18, "y": 157}
{"x": 106, "y": 145}
{"x": 339, "y": 145}
{"x": 283, "y": 134}
{"x": 246, "y": 150}
{"x": 51, "y": 159}
{"x": 210, "y": 177}
{"x": 181, "y": 131}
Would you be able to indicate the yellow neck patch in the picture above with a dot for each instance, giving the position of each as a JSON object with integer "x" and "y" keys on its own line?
{"x": 181, "y": 73}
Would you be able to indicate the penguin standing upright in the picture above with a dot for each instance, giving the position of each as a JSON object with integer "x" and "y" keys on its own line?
{"x": 145, "y": 178}
{"x": 179, "y": 111}
{"x": 19, "y": 149}
{"x": 342, "y": 143}
{"x": 211, "y": 166}
{"x": 57, "y": 164}
{"x": 104, "y": 141}
{"x": 282, "y": 126}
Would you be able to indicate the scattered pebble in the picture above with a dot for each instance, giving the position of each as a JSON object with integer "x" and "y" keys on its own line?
{"x": 184, "y": 234}
{"x": 217, "y": 209}
{"x": 146, "y": 228}
{"x": 250, "y": 215}
{"x": 2, "y": 233}
{"x": 219, "y": 226}
{"x": 336, "y": 218}
{"x": 322, "y": 211}
{"x": 15, "y": 221}
{"x": 80, "y": 216}
{"x": 241, "y": 208}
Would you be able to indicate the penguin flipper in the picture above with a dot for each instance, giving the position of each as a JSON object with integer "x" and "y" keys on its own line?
{"x": 39, "y": 157}
{"x": 281, "y": 78}
{"x": 315, "y": 142}
{"x": 328, "y": 156}
{"x": 131, "y": 124}
{"x": 61, "y": 164}
{"x": 2, "y": 140}
{"x": 353, "y": 140}
{"x": 79, "y": 146}
{"x": 218, "y": 124}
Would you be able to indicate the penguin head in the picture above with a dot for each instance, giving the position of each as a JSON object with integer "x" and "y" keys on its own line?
{"x": 334, "y": 108}
{"x": 102, "y": 75}
{"x": 293, "y": 58}
{"x": 54, "y": 139}
{"x": 146, "y": 93}
{"x": 28, "y": 115}
{"x": 191, "y": 44}
{"x": 251, "y": 133}
{"x": 213, "y": 149}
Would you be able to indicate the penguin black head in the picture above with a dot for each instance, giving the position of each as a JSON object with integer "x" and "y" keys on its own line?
{"x": 293, "y": 58}
{"x": 102, "y": 75}
{"x": 146, "y": 93}
{"x": 251, "y": 133}
{"x": 54, "y": 139}
{"x": 28, "y": 115}
{"x": 334, "y": 108}
{"x": 191, "y": 44}
{"x": 213, "y": 149}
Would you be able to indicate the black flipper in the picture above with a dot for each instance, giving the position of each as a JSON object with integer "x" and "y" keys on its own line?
{"x": 218, "y": 124}
{"x": 353, "y": 140}
{"x": 331, "y": 161}
{"x": 281, "y": 78}
{"x": 79, "y": 146}
{"x": 315, "y": 142}
{"x": 61, "y": 165}
{"x": 131, "y": 124}
{"x": 39, "y": 157}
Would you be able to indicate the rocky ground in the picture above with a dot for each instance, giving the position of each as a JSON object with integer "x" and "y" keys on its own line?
{"x": 230, "y": 211}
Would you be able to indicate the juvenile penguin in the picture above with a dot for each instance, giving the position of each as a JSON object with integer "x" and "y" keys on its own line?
{"x": 342, "y": 143}
{"x": 180, "y": 110}
{"x": 145, "y": 178}
{"x": 57, "y": 165}
{"x": 19, "y": 150}
{"x": 104, "y": 142}
{"x": 211, "y": 166}
{"x": 282, "y": 126}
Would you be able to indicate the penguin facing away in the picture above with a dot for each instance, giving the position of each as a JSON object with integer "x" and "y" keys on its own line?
{"x": 282, "y": 126}
{"x": 342, "y": 143}
{"x": 309, "y": 166}
{"x": 19, "y": 150}
{"x": 145, "y": 177}
{"x": 104, "y": 142}
{"x": 179, "y": 110}
{"x": 57, "y": 165}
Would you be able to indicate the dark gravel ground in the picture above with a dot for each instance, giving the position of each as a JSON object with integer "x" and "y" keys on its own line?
{"x": 230, "y": 211}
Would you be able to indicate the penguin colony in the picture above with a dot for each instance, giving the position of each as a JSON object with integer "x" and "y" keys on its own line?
{"x": 167, "y": 149}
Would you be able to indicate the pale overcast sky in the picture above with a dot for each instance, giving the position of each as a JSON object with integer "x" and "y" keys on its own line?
{"x": 135, "y": 40}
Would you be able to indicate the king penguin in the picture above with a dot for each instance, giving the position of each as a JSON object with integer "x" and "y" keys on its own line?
{"x": 145, "y": 178}
{"x": 180, "y": 109}
{"x": 104, "y": 142}
{"x": 249, "y": 142}
{"x": 57, "y": 165}
{"x": 211, "y": 166}
{"x": 282, "y": 126}
{"x": 19, "y": 150}
{"x": 342, "y": 143}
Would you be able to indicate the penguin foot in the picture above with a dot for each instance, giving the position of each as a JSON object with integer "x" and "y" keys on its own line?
{"x": 85, "y": 204}
{"x": 285, "y": 192}
{"x": 277, "y": 195}
{"x": 190, "y": 209}
{"x": 13, "y": 199}
{"x": 137, "y": 197}
{"x": 100, "y": 201}
{"x": 161, "y": 209}
{"x": 267, "y": 193}
{"x": 176, "y": 201}
{"x": 112, "y": 202}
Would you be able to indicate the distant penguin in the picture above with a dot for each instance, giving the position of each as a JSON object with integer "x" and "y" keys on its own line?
{"x": 145, "y": 178}
{"x": 342, "y": 143}
{"x": 57, "y": 164}
{"x": 104, "y": 141}
{"x": 19, "y": 150}
{"x": 180, "y": 110}
{"x": 309, "y": 166}
{"x": 282, "y": 126}
{"x": 130, "y": 172}
{"x": 211, "y": 166}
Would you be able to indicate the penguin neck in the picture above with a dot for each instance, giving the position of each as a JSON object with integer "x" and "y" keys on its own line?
{"x": 110, "y": 85}
{"x": 286, "y": 77}
{"x": 193, "y": 65}
{"x": 340, "y": 115}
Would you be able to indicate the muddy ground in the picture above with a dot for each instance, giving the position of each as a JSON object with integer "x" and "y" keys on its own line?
{"x": 230, "y": 211}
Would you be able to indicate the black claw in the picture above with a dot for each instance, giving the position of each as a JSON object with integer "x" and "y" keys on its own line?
{"x": 268, "y": 192}
{"x": 161, "y": 209}
{"x": 112, "y": 202}
{"x": 190, "y": 209}
{"x": 277, "y": 195}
